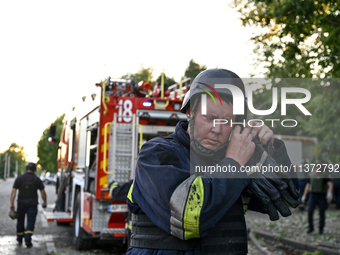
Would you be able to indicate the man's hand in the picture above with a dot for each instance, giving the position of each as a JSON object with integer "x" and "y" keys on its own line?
{"x": 329, "y": 197}
{"x": 12, "y": 207}
{"x": 241, "y": 147}
{"x": 264, "y": 133}
{"x": 44, "y": 205}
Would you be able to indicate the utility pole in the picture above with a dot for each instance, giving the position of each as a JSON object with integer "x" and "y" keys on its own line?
{"x": 5, "y": 169}
{"x": 16, "y": 168}
{"x": 9, "y": 167}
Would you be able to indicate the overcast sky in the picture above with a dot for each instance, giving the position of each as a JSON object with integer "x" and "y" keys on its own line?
{"x": 53, "y": 52}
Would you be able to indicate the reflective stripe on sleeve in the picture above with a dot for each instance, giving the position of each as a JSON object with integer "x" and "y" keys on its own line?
{"x": 186, "y": 204}
{"x": 129, "y": 195}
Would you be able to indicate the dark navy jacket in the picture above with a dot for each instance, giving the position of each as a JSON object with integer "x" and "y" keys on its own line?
{"x": 185, "y": 205}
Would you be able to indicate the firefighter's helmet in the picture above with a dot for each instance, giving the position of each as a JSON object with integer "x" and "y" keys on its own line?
{"x": 208, "y": 79}
{"x": 205, "y": 82}
{"x": 13, "y": 214}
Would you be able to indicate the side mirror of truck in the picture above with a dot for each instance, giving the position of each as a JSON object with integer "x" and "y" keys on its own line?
{"x": 52, "y": 139}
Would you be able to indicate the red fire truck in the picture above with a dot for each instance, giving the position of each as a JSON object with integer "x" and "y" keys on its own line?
{"x": 99, "y": 144}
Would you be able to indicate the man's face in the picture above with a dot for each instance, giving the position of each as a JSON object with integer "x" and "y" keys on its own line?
{"x": 205, "y": 133}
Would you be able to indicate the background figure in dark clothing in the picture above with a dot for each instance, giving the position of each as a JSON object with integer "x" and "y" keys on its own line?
{"x": 27, "y": 184}
{"x": 320, "y": 191}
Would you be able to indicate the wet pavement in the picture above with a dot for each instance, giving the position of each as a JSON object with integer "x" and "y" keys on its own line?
{"x": 48, "y": 238}
{"x": 42, "y": 245}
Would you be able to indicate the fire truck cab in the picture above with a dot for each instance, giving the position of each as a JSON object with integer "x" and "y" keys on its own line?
{"x": 98, "y": 149}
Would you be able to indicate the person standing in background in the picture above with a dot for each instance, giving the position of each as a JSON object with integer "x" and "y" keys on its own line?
{"x": 320, "y": 189}
{"x": 27, "y": 184}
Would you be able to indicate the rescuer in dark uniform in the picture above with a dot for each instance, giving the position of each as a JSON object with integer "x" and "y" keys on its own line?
{"x": 176, "y": 210}
{"x": 320, "y": 189}
{"x": 27, "y": 184}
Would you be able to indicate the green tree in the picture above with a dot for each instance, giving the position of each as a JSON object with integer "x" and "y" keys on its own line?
{"x": 299, "y": 39}
{"x": 17, "y": 154}
{"x": 167, "y": 80}
{"x": 48, "y": 153}
{"x": 325, "y": 123}
{"x": 263, "y": 100}
{"x": 193, "y": 69}
{"x": 143, "y": 74}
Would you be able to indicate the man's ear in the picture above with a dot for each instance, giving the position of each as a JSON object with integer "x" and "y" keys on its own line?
{"x": 188, "y": 112}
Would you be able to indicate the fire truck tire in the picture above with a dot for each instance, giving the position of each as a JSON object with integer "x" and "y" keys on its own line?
{"x": 81, "y": 239}
{"x": 63, "y": 223}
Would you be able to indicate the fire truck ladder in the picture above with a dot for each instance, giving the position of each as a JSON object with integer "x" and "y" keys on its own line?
{"x": 122, "y": 149}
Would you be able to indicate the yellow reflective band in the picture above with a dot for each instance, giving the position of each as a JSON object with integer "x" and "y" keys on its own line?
{"x": 28, "y": 232}
{"x": 245, "y": 208}
{"x": 113, "y": 186}
{"x": 20, "y": 234}
{"x": 193, "y": 209}
{"x": 129, "y": 196}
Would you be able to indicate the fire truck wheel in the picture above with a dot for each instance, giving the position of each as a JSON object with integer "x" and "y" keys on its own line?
{"x": 81, "y": 239}
{"x": 63, "y": 223}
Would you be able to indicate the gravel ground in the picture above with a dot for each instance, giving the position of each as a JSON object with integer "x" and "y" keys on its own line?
{"x": 294, "y": 227}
